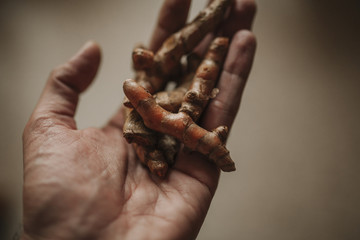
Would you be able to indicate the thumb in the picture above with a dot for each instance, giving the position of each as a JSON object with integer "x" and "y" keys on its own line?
{"x": 61, "y": 93}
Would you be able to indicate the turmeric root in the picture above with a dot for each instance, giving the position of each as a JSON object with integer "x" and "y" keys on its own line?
{"x": 159, "y": 121}
{"x": 202, "y": 87}
{"x": 168, "y": 56}
{"x": 180, "y": 125}
{"x": 148, "y": 142}
{"x": 153, "y": 159}
{"x": 166, "y": 62}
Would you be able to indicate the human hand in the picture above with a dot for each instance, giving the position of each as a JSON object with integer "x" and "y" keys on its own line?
{"x": 88, "y": 184}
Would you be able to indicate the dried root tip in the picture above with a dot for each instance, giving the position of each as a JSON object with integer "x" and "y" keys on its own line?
{"x": 143, "y": 80}
{"x": 143, "y": 59}
{"x": 157, "y": 164}
{"x": 222, "y": 133}
{"x": 153, "y": 159}
{"x": 170, "y": 147}
{"x": 221, "y": 157}
{"x": 159, "y": 168}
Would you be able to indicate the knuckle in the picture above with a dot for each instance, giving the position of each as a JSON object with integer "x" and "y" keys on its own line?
{"x": 244, "y": 38}
{"x": 226, "y": 109}
{"x": 63, "y": 74}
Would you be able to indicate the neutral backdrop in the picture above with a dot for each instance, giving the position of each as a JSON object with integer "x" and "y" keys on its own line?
{"x": 296, "y": 139}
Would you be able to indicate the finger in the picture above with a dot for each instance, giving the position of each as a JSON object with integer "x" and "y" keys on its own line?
{"x": 224, "y": 107}
{"x": 241, "y": 16}
{"x": 61, "y": 93}
{"x": 172, "y": 17}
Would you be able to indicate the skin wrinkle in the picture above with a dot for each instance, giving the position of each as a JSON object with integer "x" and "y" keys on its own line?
{"x": 67, "y": 96}
{"x": 97, "y": 188}
{"x": 197, "y": 160}
{"x": 40, "y": 125}
{"x": 222, "y": 105}
{"x": 198, "y": 179}
{"x": 63, "y": 75}
{"x": 153, "y": 215}
{"x": 49, "y": 204}
{"x": 240, "y": 61}
{"x": 36, "y": 166}
{"x": 38, "y": 162}
{"x": 43, "y": 149}
{"x": 90, "y": 208}
{"x": 181, "y": 193}
{"x": 43, "y": 121}
{"x": 130, "y": 210}
{"x": 140, "y": 218}
{"x": 128, "y": 192}
{"x": 124, "y": 201}
{"x": 218, "y": 106}
{"x": 202, "y": 209}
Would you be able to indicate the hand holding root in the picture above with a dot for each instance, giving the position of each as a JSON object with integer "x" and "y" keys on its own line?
{"x": 172, "y": 115}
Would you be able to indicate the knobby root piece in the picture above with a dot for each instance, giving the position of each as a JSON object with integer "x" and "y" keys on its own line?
{"x": 167, "y": 58}
{"x": 201, "y": 89}
{"x": 153, "y": 159}
{"x": 166, "y": 62}
{"x": 172, "y": 100}
{"x": 158, "y": 158}
{"x": 158, "y": 123}
{"x": 134, "y": 130}
{"x": 179, "y": 125}
{"x": 143, "y": 60}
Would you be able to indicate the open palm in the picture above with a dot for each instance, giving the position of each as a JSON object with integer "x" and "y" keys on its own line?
{"x": 88, "y": 184}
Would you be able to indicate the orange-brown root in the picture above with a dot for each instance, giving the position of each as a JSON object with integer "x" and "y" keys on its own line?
{"x": 168, "y": 56}
{"x": 201, "y": 89}
{"x": 153, "y": 159}
{"x": 156, "y": 124}
{"x": 179, "y": 125}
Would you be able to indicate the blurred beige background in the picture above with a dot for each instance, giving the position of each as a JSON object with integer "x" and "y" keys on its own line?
{"x": 296, "y": 139}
